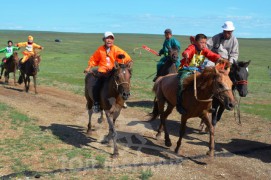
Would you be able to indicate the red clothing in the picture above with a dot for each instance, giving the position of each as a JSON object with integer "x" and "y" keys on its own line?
{"x": 196, "y": 58}
{"x": 106, "y": 60}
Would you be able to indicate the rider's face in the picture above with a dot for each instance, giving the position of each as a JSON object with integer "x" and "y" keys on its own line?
{"x": 201, "y": 43}
{"x": 168, "y": 35}
{"x": 109, "y": 41}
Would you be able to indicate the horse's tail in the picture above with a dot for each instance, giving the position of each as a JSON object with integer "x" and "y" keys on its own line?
{"x": 156, "y": 84}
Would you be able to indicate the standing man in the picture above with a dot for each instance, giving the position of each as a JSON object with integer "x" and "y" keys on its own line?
{"x": 225, "y": 43}
{"x": 169, "y": 42}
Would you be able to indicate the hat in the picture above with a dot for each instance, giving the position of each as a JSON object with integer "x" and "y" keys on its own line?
{"x": 107, "y": 34}
{"x": 228, "y": 26}
{"x": 168, "y": 31}
{"x": 30, "y": 38}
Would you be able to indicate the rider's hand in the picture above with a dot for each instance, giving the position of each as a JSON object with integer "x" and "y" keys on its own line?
{"x": 88, "y": 70}
{"x": 186, "y": 56}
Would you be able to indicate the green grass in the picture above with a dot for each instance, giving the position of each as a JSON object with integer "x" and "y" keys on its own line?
{"x": 63, "y": 63}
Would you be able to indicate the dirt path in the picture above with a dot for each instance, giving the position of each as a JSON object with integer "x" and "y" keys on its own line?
{"x": 243, "y": 152}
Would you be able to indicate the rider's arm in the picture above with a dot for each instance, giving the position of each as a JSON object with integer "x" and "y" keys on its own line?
{"x": 3, "y": 50}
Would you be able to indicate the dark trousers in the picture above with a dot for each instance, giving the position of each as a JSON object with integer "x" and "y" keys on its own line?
{"x": 98, "y": 86}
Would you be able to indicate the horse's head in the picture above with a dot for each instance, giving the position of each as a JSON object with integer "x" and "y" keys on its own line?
{"x": 173, "y": 54}
{"x": 222, "y": 88}
{"x": 15, "y": 56}
{"x": 122, "y": 78}
{"x": 239, "y": 76}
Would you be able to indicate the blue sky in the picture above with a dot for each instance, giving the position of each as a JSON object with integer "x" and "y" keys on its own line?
{"x": 251, "y": 18}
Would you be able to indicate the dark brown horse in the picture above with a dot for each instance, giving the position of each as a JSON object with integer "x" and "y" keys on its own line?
{"x": 170, "y": 64}
{"x": 10, "y": 67}
{"x": 209, "y": 83}
{"x": 115, "y": 90}
{"x": 30, "y": 68}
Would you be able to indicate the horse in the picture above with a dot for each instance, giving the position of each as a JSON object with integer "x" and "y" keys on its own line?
{"x": 170, "y": 64}
{"x": 211, "y": 82}
{"x": 238, "y": 75}
{"x": 30, "y": 68}
{"x": 115, "y": 91}
{"x": 169, "y": 67}
{"x": 10, "y": 66}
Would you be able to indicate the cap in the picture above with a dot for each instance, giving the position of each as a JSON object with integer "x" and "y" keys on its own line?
{"x": 228, "y": 26}
{"x": 168, "y": 31}
{"x": 30, "y": 38}
{"x": 107, "y": 34}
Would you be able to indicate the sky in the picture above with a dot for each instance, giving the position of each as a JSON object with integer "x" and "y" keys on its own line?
{"x": 251, "y": 18}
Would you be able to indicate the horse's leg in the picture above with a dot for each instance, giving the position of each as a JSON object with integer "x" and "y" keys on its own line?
{"x": 35, "y": 83}
{"x": 163, "y": 120}
{"x": 155, "y": 112}
{"x": 27, "y": 83}
{"x": 113, "y": 133}
{"x": 6, "y": 74}
{"x": 211, "y": 128}
{"x": 2, "y": 69}
{"x": 181, "y": 134}
{"x": 160, "y": 105}
{"x": 216, "y": 106}
{"x": 90, "y": 112}
{"x": 219, "y": 113}
{"x": 101, "y": 119}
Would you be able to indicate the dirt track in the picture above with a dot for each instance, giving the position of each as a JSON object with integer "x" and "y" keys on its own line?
{"x": 243, "y": 152}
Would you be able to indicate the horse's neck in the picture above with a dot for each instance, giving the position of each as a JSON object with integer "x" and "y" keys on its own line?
{"x": 204, "y": 87}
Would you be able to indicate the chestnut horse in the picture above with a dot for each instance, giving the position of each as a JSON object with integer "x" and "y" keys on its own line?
{"x": 30, "y": 68}
{"x": 239, "y": 76}
{"x": 209, "y": 83}
{"x": 10, "y": 66}
{"x": 115, "y": 90}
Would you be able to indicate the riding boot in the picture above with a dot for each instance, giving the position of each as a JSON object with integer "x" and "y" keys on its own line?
{"x": 19, "y": 64}
{"x": 96, "y": 93}
{"x": 179, "y": 106}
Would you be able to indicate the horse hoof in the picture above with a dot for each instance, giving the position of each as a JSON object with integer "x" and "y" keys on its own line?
{"x": 210, "y": 153}
{"x": 168, "y": 143}
{"x": 158, "y": 136}
{"x": 89, "y": 132}
{"x": 115, "y": 155}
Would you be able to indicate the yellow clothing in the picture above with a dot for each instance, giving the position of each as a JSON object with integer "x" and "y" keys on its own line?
{"x": 105, "y": 59}
{"x": 29, "y": 49}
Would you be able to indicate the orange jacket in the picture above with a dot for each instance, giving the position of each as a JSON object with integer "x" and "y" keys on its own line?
{"x": 196, "y": 58}
{"x": 106, "y": 61}
{"x": 29, "y": 47}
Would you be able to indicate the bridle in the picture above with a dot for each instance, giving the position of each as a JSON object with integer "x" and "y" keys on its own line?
{"x": 118, "y": 84}
{"x": 216, "y": 92}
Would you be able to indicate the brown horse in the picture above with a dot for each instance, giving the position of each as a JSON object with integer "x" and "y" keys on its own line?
{"x": 10, "y": 67}
{"x": 210, "y": 82}
{"x": 115, "y": 91}
{"x": 30, "y": 68}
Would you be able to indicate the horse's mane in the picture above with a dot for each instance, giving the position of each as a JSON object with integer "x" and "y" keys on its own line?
{"x": 206, "y": 75}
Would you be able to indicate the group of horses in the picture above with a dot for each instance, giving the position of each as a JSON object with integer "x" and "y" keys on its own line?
{"x": 209, "y": 92}
{"x": 29, "y": 68}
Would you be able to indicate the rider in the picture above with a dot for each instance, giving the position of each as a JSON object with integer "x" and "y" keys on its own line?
{"x": 168, "y": 42}
{"x": 194, "y": 56}
{"x": 225, "y": 43}
{"x": 29, "y": 51}
{"x": 9, "y": 51}
{"x": 105, "y": 57}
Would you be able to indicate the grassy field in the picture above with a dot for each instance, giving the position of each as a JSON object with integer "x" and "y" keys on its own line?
{"x": 63, "y": 63}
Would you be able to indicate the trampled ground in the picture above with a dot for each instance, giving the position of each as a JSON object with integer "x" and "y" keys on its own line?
{"x": 242, "y": 152}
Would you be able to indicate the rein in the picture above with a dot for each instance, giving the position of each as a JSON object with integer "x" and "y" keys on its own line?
{"x": 195, "y": 90}
{"x": 241, "y": 82}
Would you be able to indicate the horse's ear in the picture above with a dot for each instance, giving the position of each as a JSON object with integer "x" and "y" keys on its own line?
{"x": 130, "y": 64}
{"x": 247, "y": 63}
{"x": 116, "y": 65}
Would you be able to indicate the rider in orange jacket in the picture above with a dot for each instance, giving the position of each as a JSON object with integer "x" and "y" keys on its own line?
{"x": 104, "y": 57}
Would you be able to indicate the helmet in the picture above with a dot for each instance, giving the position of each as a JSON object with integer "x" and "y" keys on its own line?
{"x": 30, "y": 38}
